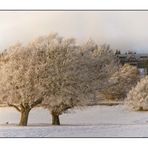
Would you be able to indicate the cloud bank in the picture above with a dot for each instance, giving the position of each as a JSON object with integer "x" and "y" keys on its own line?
{"x": 121, "y": 29}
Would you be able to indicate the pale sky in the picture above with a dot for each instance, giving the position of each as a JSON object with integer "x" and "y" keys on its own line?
{"x": 121, "y": 29}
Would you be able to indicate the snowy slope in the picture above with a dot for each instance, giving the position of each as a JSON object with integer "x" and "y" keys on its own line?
{"x": 96, "y": 121}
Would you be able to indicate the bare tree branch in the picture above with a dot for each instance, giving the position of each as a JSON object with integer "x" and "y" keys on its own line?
{"x": 22, "y": 106}
{"x": 35, "y": 103}
{"x": 15, "y": 106}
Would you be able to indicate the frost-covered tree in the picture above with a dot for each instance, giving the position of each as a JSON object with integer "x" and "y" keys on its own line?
{"x": 71, "y": 73}
{"x": 137, "y": 98}
{"x": 63, "y": 73}
{"x": 19, "y": 81}
{"x": 121, "y": 82}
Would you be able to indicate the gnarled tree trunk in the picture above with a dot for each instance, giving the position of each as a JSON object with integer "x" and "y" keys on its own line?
{"x": 57, "y": 112}
{"x": 24, "y": 109}
{"x": 55, "y": 119}
{"x": 24, "y": 117}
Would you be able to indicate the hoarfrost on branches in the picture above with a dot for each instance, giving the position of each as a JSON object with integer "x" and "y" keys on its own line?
{"x": 137, "y": 98}
{"x": 19, "y": 81}
{"x": 74, "y": 73}
{"x": 56, "y": 72}
{"x": 121, "y": 82}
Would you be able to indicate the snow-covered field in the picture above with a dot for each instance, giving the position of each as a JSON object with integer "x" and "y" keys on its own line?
{"x": 96, "y": 121}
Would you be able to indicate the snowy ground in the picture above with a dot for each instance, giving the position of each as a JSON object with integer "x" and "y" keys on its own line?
{"x": 96, "y": 121}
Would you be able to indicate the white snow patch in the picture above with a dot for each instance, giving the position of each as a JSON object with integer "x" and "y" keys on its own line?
{"x": 96, "y": 121}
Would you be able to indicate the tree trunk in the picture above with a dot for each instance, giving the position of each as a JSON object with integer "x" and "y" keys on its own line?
{"x": 55, "y": 119}
{"x": 24, "y": 109}
{"x": 24, "y": 118}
